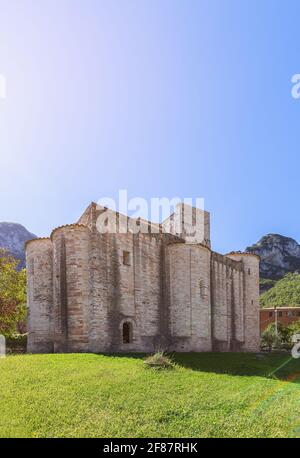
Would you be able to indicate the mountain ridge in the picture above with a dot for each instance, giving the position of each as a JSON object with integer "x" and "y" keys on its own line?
{"x": 279, "y": 255}
{"x": 13, "y": 237}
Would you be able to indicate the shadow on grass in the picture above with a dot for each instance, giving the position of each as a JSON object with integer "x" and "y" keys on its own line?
{"x": 268, "y": 365}
{"x": 281, "y": 366}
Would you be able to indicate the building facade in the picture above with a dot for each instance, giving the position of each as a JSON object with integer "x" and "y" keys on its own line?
{"x": 285, "y": 315}
{"x": 91, "y": 290}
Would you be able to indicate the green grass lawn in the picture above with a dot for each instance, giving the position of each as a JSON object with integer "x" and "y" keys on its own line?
{"x": 206, "y": 395}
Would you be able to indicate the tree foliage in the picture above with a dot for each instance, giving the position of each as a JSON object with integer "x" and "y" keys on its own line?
{"x": 294, "y": 328}
{"x": 282, "y": 339}
{"x": 271, "y": 339}
{"x": 12, "y": 294}
{"x": 286, "y": 292}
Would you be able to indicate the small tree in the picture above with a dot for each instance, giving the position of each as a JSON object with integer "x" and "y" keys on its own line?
{"x": 275, "y": 340}
{"x": 268, "y": 338}
{"x": 293, "y": 328}
{"x": 12, "y": 294}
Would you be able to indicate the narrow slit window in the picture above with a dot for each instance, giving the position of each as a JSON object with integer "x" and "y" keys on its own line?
{"x": 127, "y": 333}
{"x": 202, "y": 289}
{"x": 126, "y": 258}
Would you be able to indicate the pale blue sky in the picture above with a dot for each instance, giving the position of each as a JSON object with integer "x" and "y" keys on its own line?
{"x": 163, "y": 98}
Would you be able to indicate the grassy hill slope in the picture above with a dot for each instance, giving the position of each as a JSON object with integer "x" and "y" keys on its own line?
{"x": 206, "y": 395}
{"x": 285, "y": 292}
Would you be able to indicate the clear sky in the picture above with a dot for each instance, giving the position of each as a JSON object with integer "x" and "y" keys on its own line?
{"x": 160, "y": 97}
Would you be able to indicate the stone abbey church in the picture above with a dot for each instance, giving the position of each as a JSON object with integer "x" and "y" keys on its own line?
{"x": 129, "y": 291}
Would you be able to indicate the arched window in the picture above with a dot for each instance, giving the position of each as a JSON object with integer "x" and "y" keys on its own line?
{"x": 127, "y": 333}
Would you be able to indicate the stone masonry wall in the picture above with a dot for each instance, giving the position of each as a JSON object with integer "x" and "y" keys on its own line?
{"x": 84, "y": 286}
{"x": 251, "y": 299}
{"x": 189, "y": 291}
{"x": 72, "y": 288}
{"x": 39, "y": 298}
{"x": 227, "y": 301}
{"x": 135, "y": 291}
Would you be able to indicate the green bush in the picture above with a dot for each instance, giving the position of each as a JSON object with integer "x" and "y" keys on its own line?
{"x": 282, "y": 340}
{"x": 16, "y": 343}
{"x": 159, "y": 360}
{"x": 294, "y": 328}
{"x": 270, "y": 340}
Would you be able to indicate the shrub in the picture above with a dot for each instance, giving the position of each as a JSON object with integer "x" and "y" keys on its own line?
{"x": 294, "y": 328}
{"x": 269, "y": 339}
{"x": 272, "y": 340}
{"x": 283, "y": 339}
{"x": 16, "y": 343}
{"x": 159, "y": 360}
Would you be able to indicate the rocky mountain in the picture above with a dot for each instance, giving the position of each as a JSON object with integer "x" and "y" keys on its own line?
{"x": 13, "y": 237}
{"x": 279, "y": 255}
